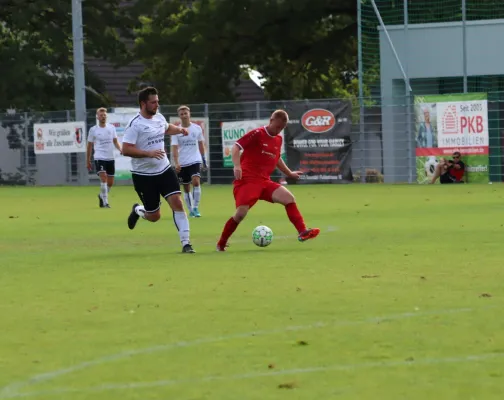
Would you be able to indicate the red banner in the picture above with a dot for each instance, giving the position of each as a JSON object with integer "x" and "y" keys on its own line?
{"x": 448, "y": 151}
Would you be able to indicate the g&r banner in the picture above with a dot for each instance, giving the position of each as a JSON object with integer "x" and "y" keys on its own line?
{"x": 317, "y": 141}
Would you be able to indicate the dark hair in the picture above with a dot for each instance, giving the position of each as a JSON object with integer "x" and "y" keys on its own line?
{"x": 143, "y": 95}
{"x": 457, "y": 154}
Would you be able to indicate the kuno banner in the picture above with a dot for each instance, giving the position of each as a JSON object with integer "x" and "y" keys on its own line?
{"x": 449, "y": 123}
{"x": 65, "y": 137}
{"x": 317, "y": 140}
{"x": 232, "y": 131}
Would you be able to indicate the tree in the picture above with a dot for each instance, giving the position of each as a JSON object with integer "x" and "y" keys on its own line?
{"x": 206, "y": 47}
{"x": 36, "y": 50}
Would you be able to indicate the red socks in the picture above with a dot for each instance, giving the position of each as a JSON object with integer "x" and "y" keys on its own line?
{"x": 295, "y": 217}
{"x": 292, "y": 212}
{"x": 228, "y": 230}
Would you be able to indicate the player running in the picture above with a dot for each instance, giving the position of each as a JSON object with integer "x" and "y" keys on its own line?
{"x": 188, "y": 152}
{"x": 103, "y": 138}
{"x": 152, "y": 173}
{"x": 252, "y": 170}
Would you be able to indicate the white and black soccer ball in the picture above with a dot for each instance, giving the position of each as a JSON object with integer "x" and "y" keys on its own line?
{"x": 262, "y": 236}
{"x": 430, "y": 166}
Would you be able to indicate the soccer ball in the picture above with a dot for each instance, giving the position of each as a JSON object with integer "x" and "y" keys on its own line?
{"x": 430, "y": 166}
{"x": 262, "y": 236}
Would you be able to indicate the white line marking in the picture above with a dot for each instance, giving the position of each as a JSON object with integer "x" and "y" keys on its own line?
{"x": 12, "y": 389}
{"x": 297, "y": 371}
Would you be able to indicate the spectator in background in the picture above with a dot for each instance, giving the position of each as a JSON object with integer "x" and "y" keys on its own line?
{"x": 450, "y": 171}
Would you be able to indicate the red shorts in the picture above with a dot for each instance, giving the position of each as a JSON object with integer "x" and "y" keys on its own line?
{"x": 247, "y": 193}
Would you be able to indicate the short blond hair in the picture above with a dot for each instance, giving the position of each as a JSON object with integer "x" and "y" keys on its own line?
{"x": 101, "y": 109}
{"x": 280, "y": 114}
{"x": 181, "y": 108}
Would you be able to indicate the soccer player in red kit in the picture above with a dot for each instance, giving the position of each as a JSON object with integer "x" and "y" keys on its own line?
{"x": 252, "y": 170}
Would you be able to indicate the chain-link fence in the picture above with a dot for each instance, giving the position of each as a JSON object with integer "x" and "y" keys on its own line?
{"x": 467, "y": 22}
{"x": 436, "y": 56}
{"x": 19, "y": 164}
{"x": 378, "y": 151}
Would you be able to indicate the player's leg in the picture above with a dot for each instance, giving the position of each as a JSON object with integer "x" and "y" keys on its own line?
{"x": 276, "y": 193}
{"x": 102, "y": 174}
{"x": 169, "y": 187}
{"x": 446, "y": 178}
{"x": 231, "y": 225}
{"x": 149, "y": 196}
{"x": 196, "y": 184}
{"x": 188, "y": 198}
{"x": 185, "y": 180}
{"x": 440, "y": 170}
{"x": 110, "y": 169}
{"x": 246, "y": 195}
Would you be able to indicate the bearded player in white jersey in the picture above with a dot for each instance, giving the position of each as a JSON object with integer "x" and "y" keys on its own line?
{"x": 152, "y": 173}
{"x": 188, "y": 153}
{"x": 102, "y": 139}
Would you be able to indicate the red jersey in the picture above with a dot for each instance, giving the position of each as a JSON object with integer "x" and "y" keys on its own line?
{"x": 261, "y": 152}
{"x": 458, "y": 174}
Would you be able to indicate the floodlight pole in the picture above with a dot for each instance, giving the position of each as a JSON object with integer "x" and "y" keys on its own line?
{"x": 79, "y": 82}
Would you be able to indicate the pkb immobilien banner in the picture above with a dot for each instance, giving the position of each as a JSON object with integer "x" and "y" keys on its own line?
{"x": 449, "y": 123}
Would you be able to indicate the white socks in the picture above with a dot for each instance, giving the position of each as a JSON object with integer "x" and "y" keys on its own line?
{"x": 193, "y": 199}
{"x": 182, "y": 225}
{"x": 196, "y": 195}
{"x": 189, "y": 201}
{"x": 104, "y": 192}
{"x": 140, "y": 210}
{"x": 180, "y": 220}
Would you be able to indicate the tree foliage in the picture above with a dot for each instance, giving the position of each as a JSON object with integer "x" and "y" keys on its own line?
{"x": 303, "y": 48}
{"x": 36, "y": 50}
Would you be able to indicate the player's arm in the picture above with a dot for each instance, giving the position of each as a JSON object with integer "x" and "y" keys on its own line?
{"x": 117, "y": 145}
{"x": 116, "y": 142}
{"x": 286, "y": 170}
{"x": 89, "y": 152}
{"x": 247, "y": 141}
{"x": 235, "y": 157}
{"x": 201, "y": 145}
{"x": 129, "y": 148}
{"x": 176, "y": 130}
{"x": 175, "y": 154}
{"x": 89, "y": 149}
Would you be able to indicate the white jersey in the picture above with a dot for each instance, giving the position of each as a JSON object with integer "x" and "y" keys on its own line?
{"x": 103, "y": 141}
{"x": 188, "y": 147}
{"x": 147, "y": 134}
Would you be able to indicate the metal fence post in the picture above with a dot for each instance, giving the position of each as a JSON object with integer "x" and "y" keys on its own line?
{"x": 362, "y": 134}
{"x": 464, "y": 43}
{"x": 209, "y": 161}
{"x": 68, "y": 157}
{"x": 408, "y": 94}
{"x": 26, "y": 148}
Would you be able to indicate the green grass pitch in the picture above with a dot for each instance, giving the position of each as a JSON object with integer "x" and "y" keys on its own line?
{"x": 400, "y": 297}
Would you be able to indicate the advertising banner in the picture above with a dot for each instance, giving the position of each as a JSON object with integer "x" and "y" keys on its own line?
{"x": 449, "y": 123}
{"x": 65, "y": 137}
{"x": 318, "y": 143}
{"x": 232, "y": 131}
